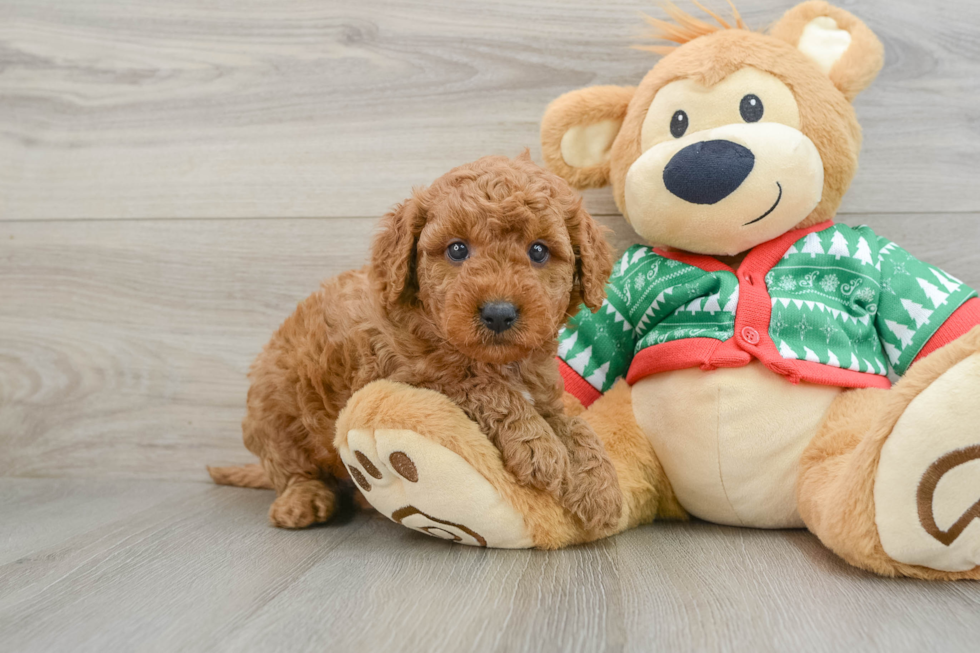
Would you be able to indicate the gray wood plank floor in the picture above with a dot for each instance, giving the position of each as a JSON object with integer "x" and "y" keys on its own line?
{"x": 175, "y": 176}
{"x": 195, "y": 568}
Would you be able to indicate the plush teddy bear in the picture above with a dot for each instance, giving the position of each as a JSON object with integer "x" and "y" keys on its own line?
{"x": 738, "y": 371}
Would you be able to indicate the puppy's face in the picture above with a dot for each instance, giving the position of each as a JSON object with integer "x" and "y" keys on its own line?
{"x": 503, "y": 253}
{"x": 495, "y": 270}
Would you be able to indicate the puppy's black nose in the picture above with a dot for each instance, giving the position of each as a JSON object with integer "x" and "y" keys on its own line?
{"x": 708, "y": 172}
{"x": 498, "y": 316}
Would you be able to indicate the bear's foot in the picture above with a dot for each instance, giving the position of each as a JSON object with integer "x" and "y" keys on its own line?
{"x": 420, "y": 484}
{"x": 927, "y": 488}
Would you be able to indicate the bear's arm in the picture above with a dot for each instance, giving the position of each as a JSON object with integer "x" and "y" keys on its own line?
{"x": 962, "y": 320}
{"x": 596, "y": 349}
{"x": 920, "y": 307}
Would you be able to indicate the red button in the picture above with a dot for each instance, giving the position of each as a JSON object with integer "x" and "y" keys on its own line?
{"x": 750, "y": 335}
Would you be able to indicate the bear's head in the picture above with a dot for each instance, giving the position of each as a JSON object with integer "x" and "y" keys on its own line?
{"x": 733, "y": 138}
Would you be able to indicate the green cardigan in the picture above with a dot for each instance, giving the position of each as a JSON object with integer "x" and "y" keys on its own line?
{"x": 829, "y": 304}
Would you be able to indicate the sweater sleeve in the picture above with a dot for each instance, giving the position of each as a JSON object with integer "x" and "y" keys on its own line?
{"x": 964, "y": 319}
{"x": 919, "y": 308}
{"x": 596, "y": 349}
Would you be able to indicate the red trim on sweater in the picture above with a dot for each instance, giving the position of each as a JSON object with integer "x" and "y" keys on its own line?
{"x": 762, "y": 256}
{"x": 703, "y": 261}
{"x": 706, "y": 353}
{"x": 839, "y": 378}
{"x": 576, "y": 385}
{"x": 766, "y": 255}
{"x": 709, "y": 354}
{"x": 962, "y": 320}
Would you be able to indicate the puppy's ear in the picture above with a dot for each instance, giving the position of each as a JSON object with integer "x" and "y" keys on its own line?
{"x": 393, "y": 253}
{"x": 593, "y": 259}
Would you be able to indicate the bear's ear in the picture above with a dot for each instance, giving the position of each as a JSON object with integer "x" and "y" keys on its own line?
{"x": 841, "y": 45}
{"x": 579, "y": 128}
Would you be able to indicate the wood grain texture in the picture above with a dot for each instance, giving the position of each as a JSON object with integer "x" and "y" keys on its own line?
{"x": 38, "y": 515}
{"x": 175, "y": 176}
{"x": 201, "y": 571}
{"x": 291, "y": 108}
{"x": 125, "y": 344}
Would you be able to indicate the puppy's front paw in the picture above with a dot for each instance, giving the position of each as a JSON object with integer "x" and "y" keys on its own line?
{"x": 302, "y": 504}
{"x": 595, "y": 498}
{"x": 539, "y": 462}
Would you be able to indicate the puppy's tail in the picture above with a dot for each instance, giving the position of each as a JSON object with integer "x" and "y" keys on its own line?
{"x": 245, "y": 476}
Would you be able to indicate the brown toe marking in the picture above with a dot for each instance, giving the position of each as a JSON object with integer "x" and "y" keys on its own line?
{"x": 927, "y": 489}
{"x": 402, "y": 464}
{"x": 408, "y": 511}
{"x": 431, "y": 531}
{"x": 367, "y": 465}
{"x": 359, "y": 479}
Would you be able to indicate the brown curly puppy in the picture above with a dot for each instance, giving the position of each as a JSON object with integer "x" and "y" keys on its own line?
{"x": 469, "y": 283}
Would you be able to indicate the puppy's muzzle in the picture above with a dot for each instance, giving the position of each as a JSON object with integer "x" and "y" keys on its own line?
{"x": 498, "y": 316}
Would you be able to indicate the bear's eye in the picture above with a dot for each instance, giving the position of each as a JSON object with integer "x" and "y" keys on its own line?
{"x": 538, "y": 252}
{"x": 751, "y": 108}
{"x": 678, "y": 124}
{"x": 457, "y": 252}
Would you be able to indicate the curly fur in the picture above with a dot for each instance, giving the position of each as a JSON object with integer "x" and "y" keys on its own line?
{"x": 412, "y": 316}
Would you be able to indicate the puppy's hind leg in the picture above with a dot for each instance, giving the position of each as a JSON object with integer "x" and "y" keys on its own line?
{"x": 303, "y": 495}
{"x": 303, "y": 503}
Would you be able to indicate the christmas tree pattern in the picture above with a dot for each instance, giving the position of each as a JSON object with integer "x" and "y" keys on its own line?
{"x": 838, "y": 246}
{"x": 863, "y": 252}
{"x": 916, "y": 312}
{"x": 882, "y": 304}
{"x": 649, "y": 300}
{"x": 841, "y": 297}
{"x": 935, "y": 295}
{"x": 950, "y": 283}
{"x": 811, "y": 245}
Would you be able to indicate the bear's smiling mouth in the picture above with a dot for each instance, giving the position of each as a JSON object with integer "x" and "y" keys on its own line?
{"x": 771, "y": 208}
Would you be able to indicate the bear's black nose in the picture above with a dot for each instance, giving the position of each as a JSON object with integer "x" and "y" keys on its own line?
{"x": 708, "y": 172}
{"x": 498, "y": 316}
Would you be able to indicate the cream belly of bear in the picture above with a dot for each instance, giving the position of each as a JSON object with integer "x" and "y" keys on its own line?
{"x": 730, "y": 440}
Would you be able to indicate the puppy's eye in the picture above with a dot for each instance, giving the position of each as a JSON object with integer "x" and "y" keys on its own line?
{"x": 457, "y": 252}
{"x": 538, "y": 252}
{"x": 678, "y": 124}
{"x": 751, "y": 108}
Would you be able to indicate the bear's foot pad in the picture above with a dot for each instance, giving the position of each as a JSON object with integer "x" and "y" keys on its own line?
{"x": 428, "y": 488}
{"x": 927, "y": 488}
